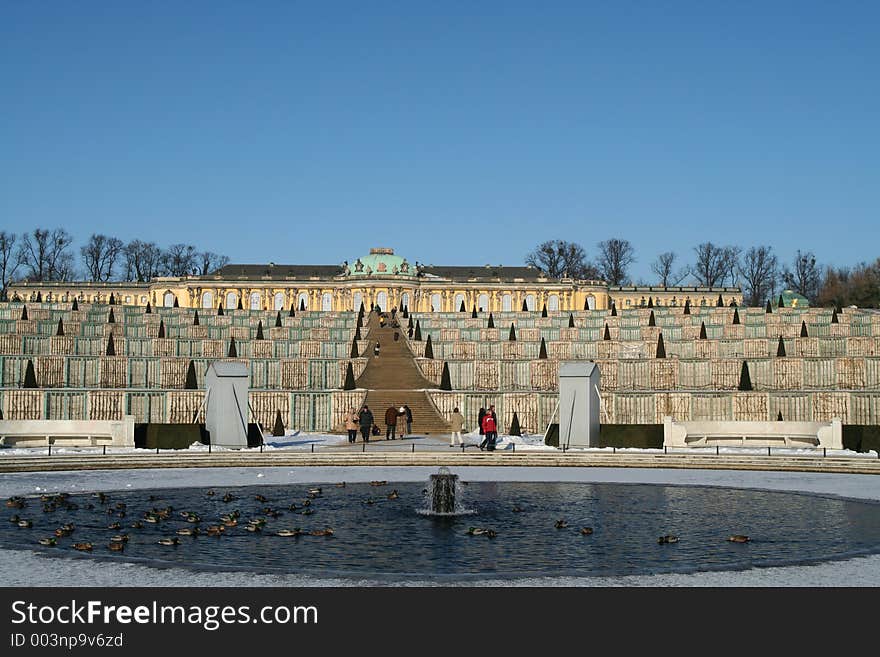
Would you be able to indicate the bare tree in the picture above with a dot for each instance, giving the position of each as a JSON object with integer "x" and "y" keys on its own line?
{"x": 99, "y": 256}
{"x": 179, "y": 259}
{"x": 142, "y": 260}
{"x": 759, "y": 270}
{"x": 10, "y": 260}
{"x": 715, "y": 264}
{"x": 615, "y": 257}
{"x": 560, "y": 259}
{"x": 663, "y": 267}
{"x": 803, "y": 277}
{"x": 209, "y": 262}
{"x": 47, "y": 254}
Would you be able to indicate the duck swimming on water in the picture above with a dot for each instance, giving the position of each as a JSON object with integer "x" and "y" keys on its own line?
{"x": 669, "y": 538}
{"x": 560, "y": 524}
{"x": 738, "y": 538}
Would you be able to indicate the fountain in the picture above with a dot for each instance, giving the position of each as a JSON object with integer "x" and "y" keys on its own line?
{"x": 443, "y": 495}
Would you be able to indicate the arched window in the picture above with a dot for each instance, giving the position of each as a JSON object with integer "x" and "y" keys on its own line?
{"x": 168, "y": 300}
{"x": 255, "y": 301}
{"x": 302, "y": 301}
{"x": 591, "y": 302}
{"x": 506, "y": 303}
{"x": 207, "y": 300}
{"x": 404, "y": 300}
{"x": 459, "y": 299}
{"x": 357, "y": 300}
{"x": 127, "y": 298}
{"x": 231, "y": 300}
{"x": 279, "y": 301}
{"x": 530, "y": 301}
{"x": 483, "y": 303}
{"x": 553, "y": 302}
{"x": 382, "y": 301}
{"x": 326, "y": 302}
{"x": 435, "y": 303}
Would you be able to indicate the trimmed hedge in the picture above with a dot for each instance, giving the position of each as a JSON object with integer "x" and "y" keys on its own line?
{"x": 861, "y": 437}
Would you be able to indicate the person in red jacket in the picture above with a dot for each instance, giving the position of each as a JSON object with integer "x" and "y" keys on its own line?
{"x": 490, "y": 430}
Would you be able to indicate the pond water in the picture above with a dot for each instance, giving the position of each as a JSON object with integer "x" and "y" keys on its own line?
{"x": 380, "y": 534}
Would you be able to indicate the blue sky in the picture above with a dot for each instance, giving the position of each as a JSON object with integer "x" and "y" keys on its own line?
{"x": 454, "y": 132}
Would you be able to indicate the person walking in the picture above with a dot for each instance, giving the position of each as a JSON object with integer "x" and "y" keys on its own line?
{"x": 352, "y": 421}
{"x": 401, "y": 422}
{"x": 391, "y": 414}
{"x": 365, "y": 419}
{"x": 376, "y": 349}
{"x": 408, "y": 412}
{"x": 456, "y": 423}
{"x": 490, "y": 430}
{"x": 480, "y": 417}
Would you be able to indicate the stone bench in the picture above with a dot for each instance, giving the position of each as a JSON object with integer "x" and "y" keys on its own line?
{"x": 70, "y": 433}
{"x": 752, "y": 434}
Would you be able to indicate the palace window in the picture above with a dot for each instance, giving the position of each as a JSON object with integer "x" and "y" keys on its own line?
{"x": 279, "y": 301}
{"x": 553, "y": 302}
{"x": 404, "y": 300}
{"x": 302, "y": 301}
{"x": 530, "y": 301}
{"x": 326, "y": 302}
{"x": 357, "y": 300}
{"x": 231, "y": 300}
{"x": 382, "y": 301}
{"x": 591, "y": 302}
{"x": 506, "y": 303}
{"x": 459, "y": 299}
{"x": 483, "y": 303}
{"x": 255, "y": 301}
{"x": 207, "y": 300}
{"x": 435, "y": 303}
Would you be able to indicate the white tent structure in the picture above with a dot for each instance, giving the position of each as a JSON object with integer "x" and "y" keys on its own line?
{"x": 578, "y": 404}
{"x": 226, "y": 403}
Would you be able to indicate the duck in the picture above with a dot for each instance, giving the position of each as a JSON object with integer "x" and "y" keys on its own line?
{"x": 210, "y": 493}
{"x": 668, "y": 538}
{"x": 114, "y": 546}
{"x": 49, "y": 542}
{"x": 307, "y": 512}
{"x": 560, "y": 524}
{"x": 321, "y": 532}
{"x": 517, "y": 508}
{"x": 393, "y": 495}
{"x": 153, "y": 520}
{"x": 481, "y": 531}
{"x": 313, "y": 492}
{"x": 25, "y": 524}
{"x": 370, "y": 501}
{"x": 64, "y": 530}
{"x": 229, "y": 497}
{"x": 586, "y": 531}
{"x": 215, "y": 530}
{"x": 739, "y": 538}
{"x": 169, "y": 541}
{"x": 15, "y": 503}
{"x": 292, "y": 507}
{"x": 137, "y": 524}
{"x": 119, "y": 538}
{"x": 260, "y": 498}
{"x": 121, "y": 505}
{"x": 102, "y": 497}
{"x": 14, "y": 518}
{"x": 232, "y": 522}
{"x": 193, "y": 518}
{"x": 114, "y": 525}
{"x": 83, "y": 547}
{"x": 188, "y": 531}
{"x": 341, "y": 484}
{"x": 289, "y": 532}
{"x": 378, "y": 483}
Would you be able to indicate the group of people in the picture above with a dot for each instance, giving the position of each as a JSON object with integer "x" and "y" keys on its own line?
{"x": 488, "y": 425}
{"x": 366, "y": 423}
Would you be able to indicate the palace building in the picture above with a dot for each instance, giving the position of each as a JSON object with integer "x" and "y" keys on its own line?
{"x": 380, "y": 278}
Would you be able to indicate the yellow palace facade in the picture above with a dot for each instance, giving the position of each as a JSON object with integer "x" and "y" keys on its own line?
{"x": 380, "y": 278}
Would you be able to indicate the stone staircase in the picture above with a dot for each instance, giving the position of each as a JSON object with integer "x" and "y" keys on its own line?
{"x": 394, "y": 379}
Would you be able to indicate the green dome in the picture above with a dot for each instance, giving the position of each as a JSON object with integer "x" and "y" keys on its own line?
{"x": 792, "y": 299}
{"x": 381, "y": 262}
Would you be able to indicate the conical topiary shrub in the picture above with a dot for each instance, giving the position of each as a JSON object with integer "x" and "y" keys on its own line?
{"x": 804, "y": 333}
{"x": 542, "y": 352}
{"x": 405, "y": 312}
{"x": 720, "y": 303}
{"x": 769, "y": 309}
{"x": 39, "y": 297}
{"x": 781, "y": 302}
{"x": 75, "y": 305}
{"x": 220, "y": 310}
{"x": 233, "y": 352}
{"x": 148, "y": 310}
{"x": 703, "y": 335}
{"x": 514, "y": 426}
{"x": 544, "y": 310}
{"x": 834, "y": 319}
{"x": 491, "y": 322}
{"x": 60, "y": 329}
{"x": 111, "y": 318}
{"x": 24, "y": 314}
{"x": 586, "y": 304}
{"x": 445, "y": 380}
{"x": 417, "y": 336}
{"x": 733, "y": 303}
{"x": 302, "y": 304}
{"x": 278, "y": 320}
{"x": 357, "y": 333}
{"x": 570, "y": 320}
{"x": 525, "y": 306}
{"x": 111, "y": 347}
{"x": 461, "y": 307}
{"x": 779, "y": 417}
{"x": 474, "y": 312}
{"x": 512, "y": 335}
{"x": 429, "y": 349}
{"x": 661, "y": 348}
{"x": 259, "y": 330}
{"x": 112, "y": 300}
{"x": 745, "y": 379}
{"x": 354, "y": 350}
{"x": 735, "y": 316}
{"x": 191, "y": 381}
{"x": 292, "y": 311}
{"x": 650, "y": 302}
{"x": 278, "y": 427}
{"x": 362, "y": 310}
{"x": 614, "y": 310}
{"x": 161, "y": 329}
{"x": 780, "y": 348}
{"x": 196, "y": 318}
{"x": 239, "y": 306}
{"x": 607, "y": 334}
{"x": 687, "y": 306}
{"x": 651, "y": 320}
{"x": 176, "y": 303}
{"x": 349, "y": 378}
{"x": 30, "y": 377}
{"x": 409, "y": 324}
